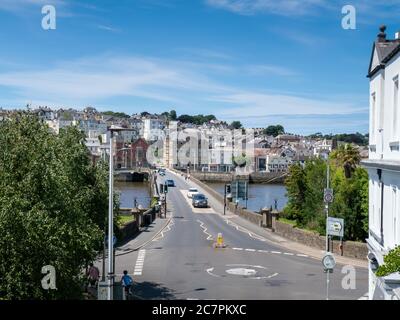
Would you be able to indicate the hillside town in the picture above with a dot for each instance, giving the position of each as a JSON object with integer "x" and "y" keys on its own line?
{"x": 268, "y": 153}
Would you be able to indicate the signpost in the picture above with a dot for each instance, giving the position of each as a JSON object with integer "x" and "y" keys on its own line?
{"x": 328, "y": 195}
{"x": 335, "y": 227}
{"x": 329, "y": 262}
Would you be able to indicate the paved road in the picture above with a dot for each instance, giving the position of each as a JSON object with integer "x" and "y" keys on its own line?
{"x": 181, "y": 263}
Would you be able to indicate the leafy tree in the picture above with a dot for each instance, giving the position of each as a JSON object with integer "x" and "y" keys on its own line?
{"x": 274, "y": 130}
{"x": 145, "y": 114}
{"x": 296, "y": 193}
{"x": 391, "y": 263}
{"x": 53, "y": 208}
{"x": 198, "y": 119}
{"x": 348, "y": 157}
{"x": 116, "y": 114}
{"x": 172, "y": 115}
{"x": 236, "y": 125}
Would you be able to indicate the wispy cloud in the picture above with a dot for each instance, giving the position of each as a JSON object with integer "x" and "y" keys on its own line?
{"x": 108, "y": 28}
{"x": 187, "y": 84}
{"x": 17, "y": 6}
{"x": 269, "y": 70}
{"x": 251, "y": 104}
{"x": 282, "y": 7}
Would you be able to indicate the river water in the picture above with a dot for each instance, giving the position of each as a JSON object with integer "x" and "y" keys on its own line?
{"x": 129, "y": 191}
{"x": 260, "y": 195}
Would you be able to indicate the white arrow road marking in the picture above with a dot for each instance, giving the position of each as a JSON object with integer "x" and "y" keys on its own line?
{"x": 210, "y": 237}
{"x": 244, "y": 230}
{"x": 209, "y": 271}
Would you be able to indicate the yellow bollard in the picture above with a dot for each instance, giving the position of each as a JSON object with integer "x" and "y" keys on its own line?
{"x": 220, "y": 241}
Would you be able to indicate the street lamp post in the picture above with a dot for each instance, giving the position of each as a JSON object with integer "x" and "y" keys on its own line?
{"x": 111, "y": 222}
{"x": 111, "y": 264}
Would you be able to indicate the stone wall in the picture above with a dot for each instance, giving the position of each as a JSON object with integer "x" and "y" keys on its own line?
{"x": 351, "y": 249}
{"x": 255, "y": 177}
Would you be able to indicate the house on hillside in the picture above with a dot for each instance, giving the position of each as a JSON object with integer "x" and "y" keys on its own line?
{"x": 383, "y": 164}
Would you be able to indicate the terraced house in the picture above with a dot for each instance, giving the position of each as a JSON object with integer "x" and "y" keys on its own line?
{"x": 384, "y": 162}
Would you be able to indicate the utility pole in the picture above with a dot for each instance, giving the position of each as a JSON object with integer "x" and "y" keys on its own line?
{"x": 111, "y": 222}
{"x": 225, "y": 198}
{"x": 327, "y": 203}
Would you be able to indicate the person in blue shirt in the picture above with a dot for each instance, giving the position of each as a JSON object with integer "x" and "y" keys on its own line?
{"x": 127, "y": 282}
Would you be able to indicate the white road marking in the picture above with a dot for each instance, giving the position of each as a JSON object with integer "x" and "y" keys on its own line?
{"x": 302, "y": 255}
{"x": 263, "y": 251}
{"x": 244, "y": 230}
{"x": 166, "y": 229}
{"x": 277, "y": 252}
{"x": 288, "y": 254}
{"x": 209, "y": 271}
{"x": 251, "y": 250}
{"x": 140, "y": 263}
{"x": 210, "y": 237}
{"x": 239, "y": 249}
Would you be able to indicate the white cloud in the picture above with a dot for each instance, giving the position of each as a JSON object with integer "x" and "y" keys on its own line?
{"x": 259, "y": 70}
{"x": 97, "y": 80}
{"x": 254, "y": 104}
{"x": 281, "y": 7}
{"x": 16, "y": 6}
{"x": 108, "y": 28}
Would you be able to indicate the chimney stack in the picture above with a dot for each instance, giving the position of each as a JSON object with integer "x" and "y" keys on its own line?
{"x": 382, "y": 34}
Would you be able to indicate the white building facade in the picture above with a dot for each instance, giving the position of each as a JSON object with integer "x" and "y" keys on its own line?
{"x": 383, "y": 164}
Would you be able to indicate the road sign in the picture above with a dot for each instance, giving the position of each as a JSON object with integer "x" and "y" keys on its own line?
{"x": 335, "y": 227}
{"x": 328, "y": 195}
{"x": 239, "y": 189}
{"x": 328, "y": 261}
{"x": 114, "y": 240}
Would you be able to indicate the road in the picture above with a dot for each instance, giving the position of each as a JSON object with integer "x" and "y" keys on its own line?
{"x": 182, "y": 263}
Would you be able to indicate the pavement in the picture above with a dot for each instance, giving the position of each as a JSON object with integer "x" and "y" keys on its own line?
{"x": 180, "y": 260}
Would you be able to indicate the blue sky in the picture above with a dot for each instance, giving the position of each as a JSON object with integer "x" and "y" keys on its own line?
{"x": 261, "y": 62}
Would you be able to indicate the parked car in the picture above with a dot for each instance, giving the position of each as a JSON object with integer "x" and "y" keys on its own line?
{"x": 162, "y": 173}
{"x": 170, "y": 183}
{"x": 191, "y": 192}
{"x": 199, "y": 200}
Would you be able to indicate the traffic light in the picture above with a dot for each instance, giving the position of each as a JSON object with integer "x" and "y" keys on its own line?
{"x": 165, "y": 188}
{"x": 228, "y": 188}
{"x": 161, "y": 188}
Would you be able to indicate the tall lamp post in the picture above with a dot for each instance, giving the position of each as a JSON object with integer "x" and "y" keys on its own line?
{"x": 110, "y": 276}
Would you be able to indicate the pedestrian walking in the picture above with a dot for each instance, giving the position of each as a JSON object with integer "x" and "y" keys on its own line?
{"x": 93, "y": 275}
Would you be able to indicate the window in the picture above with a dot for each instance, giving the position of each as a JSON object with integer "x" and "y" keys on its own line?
{"x": 395, "y": 106}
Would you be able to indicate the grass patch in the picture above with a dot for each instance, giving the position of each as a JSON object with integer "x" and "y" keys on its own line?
{"x": 291, "y": 222}
{"x": 122, "y": 220}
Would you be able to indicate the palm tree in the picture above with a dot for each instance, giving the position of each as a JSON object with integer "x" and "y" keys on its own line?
{"x": 348, "y": 157}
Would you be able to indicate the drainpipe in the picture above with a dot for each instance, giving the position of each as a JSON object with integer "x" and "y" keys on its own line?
{"x": 379, "y": 171}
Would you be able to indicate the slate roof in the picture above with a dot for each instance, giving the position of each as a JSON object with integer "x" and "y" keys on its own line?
{"x": 386, "y": 50}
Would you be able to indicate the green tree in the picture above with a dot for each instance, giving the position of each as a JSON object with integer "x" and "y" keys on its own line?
{"x": 296, "y": 193}
{"x": 348, "y": 157}
{"x": 53, "y": 206}
{"x": 391, "y": 263}
{"x": 236, "y": 125}
{"x": 172, "y": 115}
{"x": 274, "y": 130}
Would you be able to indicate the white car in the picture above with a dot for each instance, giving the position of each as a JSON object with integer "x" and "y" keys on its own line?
{"x": 191, "y": 192}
